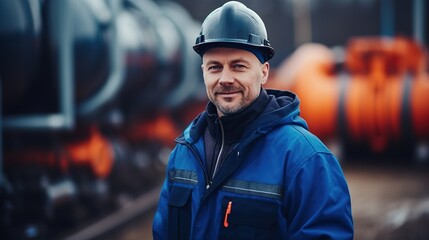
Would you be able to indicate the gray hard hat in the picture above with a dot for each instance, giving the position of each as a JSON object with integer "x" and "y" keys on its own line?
{"x": 237, "y": 26}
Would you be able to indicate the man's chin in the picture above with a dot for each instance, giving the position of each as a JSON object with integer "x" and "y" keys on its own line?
{"x": 228, "y": 110}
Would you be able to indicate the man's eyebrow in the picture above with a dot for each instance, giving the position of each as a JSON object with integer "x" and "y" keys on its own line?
{"x": 212, "y": 62}
{"x": 240, "y": 60}
{"x": 234, "y": 61}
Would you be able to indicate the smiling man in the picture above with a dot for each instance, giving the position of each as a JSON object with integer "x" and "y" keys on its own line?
{"x": 247, "y": 167}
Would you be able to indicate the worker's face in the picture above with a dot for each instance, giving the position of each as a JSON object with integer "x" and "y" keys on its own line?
{"x": 233, "y": 78}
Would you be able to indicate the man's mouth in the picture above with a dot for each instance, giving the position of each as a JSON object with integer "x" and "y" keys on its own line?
{"x": 228, "y": 93}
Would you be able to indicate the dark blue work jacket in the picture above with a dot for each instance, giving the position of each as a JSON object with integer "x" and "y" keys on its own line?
{"x": 279, "y": 182}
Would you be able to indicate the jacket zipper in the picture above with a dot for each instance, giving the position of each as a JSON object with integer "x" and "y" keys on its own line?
{"x": 221, "y": 149}
{"x": 200, "y": 161}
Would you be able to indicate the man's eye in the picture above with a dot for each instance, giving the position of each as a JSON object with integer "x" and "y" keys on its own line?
{"x": 239, "y": 66}
{"x": 213, "y": 68}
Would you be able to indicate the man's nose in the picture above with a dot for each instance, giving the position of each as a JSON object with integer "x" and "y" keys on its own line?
{"x": 226, "y": 77}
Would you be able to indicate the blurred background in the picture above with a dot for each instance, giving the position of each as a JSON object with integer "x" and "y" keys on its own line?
{"x": 94, "y": 92}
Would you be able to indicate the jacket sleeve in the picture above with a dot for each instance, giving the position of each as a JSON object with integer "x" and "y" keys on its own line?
{"x": 318, "y": 202}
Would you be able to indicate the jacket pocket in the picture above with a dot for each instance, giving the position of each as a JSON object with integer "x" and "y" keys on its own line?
{"x": 179, "y": 219}
{"x": 248, "y": 219}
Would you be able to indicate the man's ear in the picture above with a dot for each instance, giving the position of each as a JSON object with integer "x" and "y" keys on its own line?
{"x": 265, "y": 71}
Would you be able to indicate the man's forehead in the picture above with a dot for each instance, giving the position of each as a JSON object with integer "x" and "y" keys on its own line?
{"x": 230, "y": 54}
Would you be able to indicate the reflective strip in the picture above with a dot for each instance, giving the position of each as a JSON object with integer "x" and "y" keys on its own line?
{"x": 183, "y": 176}
{"x": 254, "y": 189}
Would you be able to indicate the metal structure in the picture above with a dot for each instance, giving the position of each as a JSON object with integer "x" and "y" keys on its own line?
{"x": 93, "y": 95}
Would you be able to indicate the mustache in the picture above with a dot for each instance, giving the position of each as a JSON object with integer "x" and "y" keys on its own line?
{"x": 227, "y": 89}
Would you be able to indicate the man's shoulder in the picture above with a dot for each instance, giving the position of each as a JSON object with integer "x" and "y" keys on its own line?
{"x": 297, "y": 140}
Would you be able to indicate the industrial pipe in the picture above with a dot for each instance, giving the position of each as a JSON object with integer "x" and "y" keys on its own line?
{"x": 378, "y": 98}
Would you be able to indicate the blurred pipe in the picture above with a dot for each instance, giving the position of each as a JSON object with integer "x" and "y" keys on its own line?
{"x": 60, "y": 24}
{"x": 381, "y": 103}
{"x": 419, "y": 21}
{"x": 302, "y": 20}
{"x": 171, "y": 28}
{"x": 179, "y": 16}
{"x": 116, "y": 61}
{"x": 387, "y": 18}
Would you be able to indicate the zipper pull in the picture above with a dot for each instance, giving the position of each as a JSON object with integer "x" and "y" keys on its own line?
{"x": 228, "y": 211}
{"x": 208, "y": 185}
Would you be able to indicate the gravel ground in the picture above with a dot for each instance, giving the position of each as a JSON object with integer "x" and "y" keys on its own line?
{"x": 389, "y": 202}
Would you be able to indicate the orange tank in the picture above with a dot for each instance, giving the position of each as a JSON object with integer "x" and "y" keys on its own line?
{"x": 379, "y": 97}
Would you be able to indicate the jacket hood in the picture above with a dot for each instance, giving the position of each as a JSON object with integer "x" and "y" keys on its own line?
{"x": 282, "y": 109}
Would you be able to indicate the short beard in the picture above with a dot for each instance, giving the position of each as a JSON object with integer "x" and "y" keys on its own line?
{"x": 231, "y": 110}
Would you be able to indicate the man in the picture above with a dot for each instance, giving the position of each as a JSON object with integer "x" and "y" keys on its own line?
{"x": 247, "y": 167}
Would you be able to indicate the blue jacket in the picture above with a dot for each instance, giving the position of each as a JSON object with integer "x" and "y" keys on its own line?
{"x": 279, "y": 182}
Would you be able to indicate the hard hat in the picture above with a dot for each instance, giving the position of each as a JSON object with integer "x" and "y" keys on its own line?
{"x": 237, "y": 26}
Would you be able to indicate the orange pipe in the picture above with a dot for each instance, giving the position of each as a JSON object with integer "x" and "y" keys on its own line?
{"x": 381, "y": 97}
{"x": 311, "y": 67}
